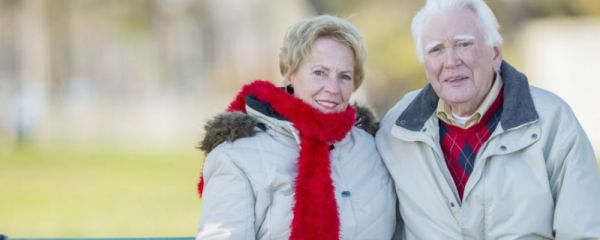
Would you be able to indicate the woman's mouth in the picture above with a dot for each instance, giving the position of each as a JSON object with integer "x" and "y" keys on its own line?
{"x": 327, "y": 104}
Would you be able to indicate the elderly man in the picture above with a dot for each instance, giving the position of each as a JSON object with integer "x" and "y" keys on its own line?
{"x": 478, "y": 153}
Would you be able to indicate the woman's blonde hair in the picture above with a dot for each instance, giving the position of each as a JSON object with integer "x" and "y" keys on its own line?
{"x": 299, "y": 39}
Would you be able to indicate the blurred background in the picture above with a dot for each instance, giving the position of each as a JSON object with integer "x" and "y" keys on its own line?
{"x": 102, "y": 102}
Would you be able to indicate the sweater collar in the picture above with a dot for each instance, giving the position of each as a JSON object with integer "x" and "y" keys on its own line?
{"x": 518, "y": 104}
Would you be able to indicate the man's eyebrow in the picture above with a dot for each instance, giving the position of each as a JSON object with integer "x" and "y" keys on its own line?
{"x": 464, "y": 37}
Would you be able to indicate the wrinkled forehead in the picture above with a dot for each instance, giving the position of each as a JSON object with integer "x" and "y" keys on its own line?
{"x": 452, "y": 24}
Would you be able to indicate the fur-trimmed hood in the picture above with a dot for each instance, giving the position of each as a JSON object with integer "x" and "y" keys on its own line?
{"x": 229, "y": 126}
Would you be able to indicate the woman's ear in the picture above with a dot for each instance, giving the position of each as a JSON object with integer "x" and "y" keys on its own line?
{"x": 287, "y": 79}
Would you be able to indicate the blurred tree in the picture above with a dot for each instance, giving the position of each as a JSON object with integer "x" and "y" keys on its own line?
{"x": 585, "y": 7}
{"x": 334, "y": 6}
{"x": 8, "y": 4}
{"x": 58, "y": 37}
{"x": 8, "y": 42}
{"x": 118, "y": 50}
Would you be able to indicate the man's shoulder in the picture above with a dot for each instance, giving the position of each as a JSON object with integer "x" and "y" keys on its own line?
{"x": 394, "y": 112}
{"x": 554, "y": 112}
{"x": 547, "y": 101}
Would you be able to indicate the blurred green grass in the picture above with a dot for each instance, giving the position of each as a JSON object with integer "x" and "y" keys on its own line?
{"x": 74, "y": 191}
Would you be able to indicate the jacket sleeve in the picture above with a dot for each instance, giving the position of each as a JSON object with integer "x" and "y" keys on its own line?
{"x": 575, "y": 184}
{"x": 227, "y": 210}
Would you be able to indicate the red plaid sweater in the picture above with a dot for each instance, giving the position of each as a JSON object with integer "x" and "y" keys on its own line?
{"x": 460, "y": 146}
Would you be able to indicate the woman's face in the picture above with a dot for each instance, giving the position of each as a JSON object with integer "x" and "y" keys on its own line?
{"x": 325, "y": 78}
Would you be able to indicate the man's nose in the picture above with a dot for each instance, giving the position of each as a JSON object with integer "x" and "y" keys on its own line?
{"x": 452, "y": 58}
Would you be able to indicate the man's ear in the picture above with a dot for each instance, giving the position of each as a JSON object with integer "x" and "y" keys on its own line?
{"x": 497, "y": 57}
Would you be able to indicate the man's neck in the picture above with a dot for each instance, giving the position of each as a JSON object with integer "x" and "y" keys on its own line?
{"x": 465, "y": 109}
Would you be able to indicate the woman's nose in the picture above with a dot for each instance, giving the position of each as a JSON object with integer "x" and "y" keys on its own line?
{"x": 332, "y": 85}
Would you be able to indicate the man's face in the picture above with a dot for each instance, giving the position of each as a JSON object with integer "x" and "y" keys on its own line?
{"x": 458, "y": 63}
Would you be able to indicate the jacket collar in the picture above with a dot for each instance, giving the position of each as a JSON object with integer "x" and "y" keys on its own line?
{"x": 518, "y": 107}
{"x": 268, "y": 118}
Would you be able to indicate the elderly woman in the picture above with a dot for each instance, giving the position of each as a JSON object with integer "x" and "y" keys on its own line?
{"x": 290, "y": 162}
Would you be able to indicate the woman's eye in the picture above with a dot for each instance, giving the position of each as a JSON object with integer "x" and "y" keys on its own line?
{"x": 319, "y": 73}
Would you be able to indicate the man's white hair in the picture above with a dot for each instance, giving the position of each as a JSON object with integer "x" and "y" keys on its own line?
{"x": 488, "y": 23}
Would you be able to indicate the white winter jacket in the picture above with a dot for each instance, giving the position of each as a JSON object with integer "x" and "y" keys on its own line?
{"x": 249, "y": 185}
{"x": 535, "y": 178}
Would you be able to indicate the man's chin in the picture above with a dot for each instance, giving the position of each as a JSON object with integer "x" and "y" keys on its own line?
{"x": 458, "y": 98}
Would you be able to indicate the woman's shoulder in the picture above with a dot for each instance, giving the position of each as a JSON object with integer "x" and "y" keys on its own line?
{"x": 226, "y": 127}
{"x": 238, "y": 136}
{"x": 365, "y": 120}
{"x": 363, "y": 131}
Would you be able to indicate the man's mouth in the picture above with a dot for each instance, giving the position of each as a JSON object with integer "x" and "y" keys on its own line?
{"x": 455, "y": 78}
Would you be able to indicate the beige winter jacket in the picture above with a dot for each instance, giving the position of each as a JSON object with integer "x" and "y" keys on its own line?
{"x": 249, "y": 185}
{"x": 535, "y": 178}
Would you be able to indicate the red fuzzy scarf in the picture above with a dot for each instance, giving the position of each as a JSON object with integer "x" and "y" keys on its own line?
{"x": 315, "y": 209}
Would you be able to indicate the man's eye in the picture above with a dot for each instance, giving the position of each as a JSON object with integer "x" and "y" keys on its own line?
{"x": 465, "y": 44}
{"x": 435, "y": 50}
